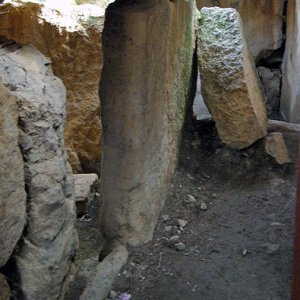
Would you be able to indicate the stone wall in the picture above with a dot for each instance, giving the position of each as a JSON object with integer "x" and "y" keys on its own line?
{"x": 12, "y": 183}
{"x": 45, "y": 251}
{"x": 72, "y": 40}
{"x": 290, "y": 97}
{"x": 146, "y": 81}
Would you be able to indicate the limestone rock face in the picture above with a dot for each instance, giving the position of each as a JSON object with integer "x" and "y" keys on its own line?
{"x": 290, "y": 96}
{"x": 71, "y": 38}
{"x": 230, "y": 85}
{"x": 275, "y": 147}
{"x": 148, "y": 49}
{"x": 44, "y": 256}
{"x": 85, "y": 190}
{"x": 262, "y": 21}
{"x": 12, "y": 187}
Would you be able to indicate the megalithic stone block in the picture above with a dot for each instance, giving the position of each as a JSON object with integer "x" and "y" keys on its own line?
{"x": 230, "y": 85}
{"x": 148, "y": 51}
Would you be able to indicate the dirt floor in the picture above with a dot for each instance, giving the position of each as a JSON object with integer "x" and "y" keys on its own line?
{"x": 234, "y": 240}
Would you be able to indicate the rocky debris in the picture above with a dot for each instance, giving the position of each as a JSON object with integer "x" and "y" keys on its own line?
{"x": 203, "y": 206}
{"x": 230, "y": 84}
{"x": 290, "y": 95}
{"x": 168, "y": 228}
{"x": 174, "y": 239}
{"x": 4, "y": 288}
{"x": 275, "y": 147}
{"x": 263, "y": 21}
{"x": 271, "y": 82}
{"x": 190, "y": 199}
{"x": 180, "y": 246}
{"x": 70, "y": 36}
{"x": 85, "y": 190}
{"x": 106, "y": 272}
{"x": 182, "y": 223}
{"x": 113, "y": 294}
{"x": 48, "y": 245}
{"x": 134, "y": 112}
{"x": 12, "y": 182}
{"x": 271, "y": 248}
{"x": 165, "y": 218}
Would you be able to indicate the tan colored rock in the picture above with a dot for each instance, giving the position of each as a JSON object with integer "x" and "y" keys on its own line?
{"x": 85, "y": 190}
{"x": 71, "y": 38}
{"x": 12, "y": 182}
{"x": 275, "y": 147}
{"x": 230, "y": 84}
{"x": 262, "y": 21}
{"x": 4, "y": 288}
{"x": 48, "y": 245}
{"x": 290, "y": 96}
{"x": 146, "y": 82}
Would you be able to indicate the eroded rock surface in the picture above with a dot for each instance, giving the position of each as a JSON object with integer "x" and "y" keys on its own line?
{"x": 147, "y": 74}
{"x": 70, "y": 36}
{"x": 44, "y": 256}
{"x": 290, "y": 96}
{"x": 271, "y": 82}
{"x": 12, "y": 186}
{"x": 230, "y": 84}
{"x": 85, "y": 190}
{"x": 262, "y": 19}
{"x": 275, "y": 147}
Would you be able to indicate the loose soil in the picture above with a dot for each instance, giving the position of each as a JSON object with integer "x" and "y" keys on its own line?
{"x": 240, "y": 247}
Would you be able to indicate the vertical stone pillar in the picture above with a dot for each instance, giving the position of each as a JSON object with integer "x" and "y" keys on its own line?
{"x": 146, "y": 81}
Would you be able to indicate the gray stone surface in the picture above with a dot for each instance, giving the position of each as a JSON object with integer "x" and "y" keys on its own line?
{"x": 262, "y": 19}
{"x": 44, "y": 258}
{"x": 290, "y": 95}
{"x": 144, "y": 100}
{"x": 230, "y": 84}
{"x": 12, "y": 186}
{"x": 106, "y": 272}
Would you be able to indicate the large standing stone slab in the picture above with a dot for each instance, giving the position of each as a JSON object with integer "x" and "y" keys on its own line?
{"x": 230, "y": 84}
{"x": 262, "y": 19}
{"x": 290, "y": 95}
{"x": 146, "y": 80}
{"x": 44, "y": 257}
{"x": 12, "y": 183}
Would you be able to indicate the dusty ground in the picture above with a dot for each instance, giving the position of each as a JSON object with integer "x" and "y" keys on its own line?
{"x": 239, "y": 248}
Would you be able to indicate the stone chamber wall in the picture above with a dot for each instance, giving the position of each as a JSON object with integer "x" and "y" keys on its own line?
{"x": 51, "y": 124}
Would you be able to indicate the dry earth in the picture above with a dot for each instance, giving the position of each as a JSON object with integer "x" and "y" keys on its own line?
{"x": 239, "y": 248}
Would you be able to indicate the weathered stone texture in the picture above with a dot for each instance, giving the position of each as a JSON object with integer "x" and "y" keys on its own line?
{"x": 72, "y": 40}
{"x": 148, "y": 48}
{"x": 12, "y": 186}
{"x": 230, "y": 85}
{"x": 44, "y": 256}
{"x": 4, "y": 288}
{"x": 262, "y": 22}
{"x": 85, "y": 190}
{"x": 275, "y": 147}
{"x": 290, "y": 96}
{"x": 271, "y": 82}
